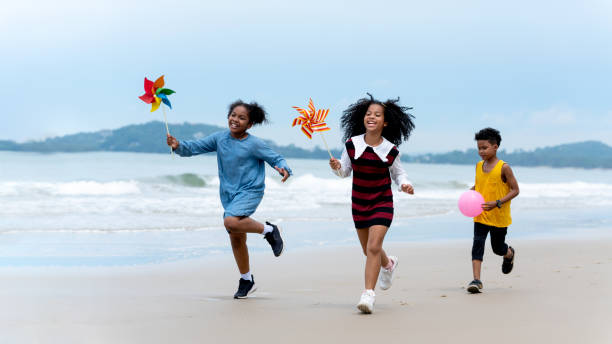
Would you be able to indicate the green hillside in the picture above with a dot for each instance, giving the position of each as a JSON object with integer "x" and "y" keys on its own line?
{"x": 148, "y": 138}
{"x": 588, "y": 154}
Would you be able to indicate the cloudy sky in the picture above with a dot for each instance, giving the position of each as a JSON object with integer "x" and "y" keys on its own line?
{"x": 540, "y": 71}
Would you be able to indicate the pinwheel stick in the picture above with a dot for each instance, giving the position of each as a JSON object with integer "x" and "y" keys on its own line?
{"x": 326, "y": 146}
{"x": 328, "y": 151}
{"x": 167, "y": 130}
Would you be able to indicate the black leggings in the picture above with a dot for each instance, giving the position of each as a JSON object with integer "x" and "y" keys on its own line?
{"x": 498, "y": 238}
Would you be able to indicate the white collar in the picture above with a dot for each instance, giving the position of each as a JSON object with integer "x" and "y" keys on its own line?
{"x": 382, "y": 150}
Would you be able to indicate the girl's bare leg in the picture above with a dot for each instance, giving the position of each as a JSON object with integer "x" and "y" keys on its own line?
{"x": 242, "y": 224}
{"x": 241, "y": 251}
{"x": 371, "y": 240}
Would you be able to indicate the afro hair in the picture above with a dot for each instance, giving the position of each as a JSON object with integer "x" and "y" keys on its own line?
{"x": 399, "y": 121}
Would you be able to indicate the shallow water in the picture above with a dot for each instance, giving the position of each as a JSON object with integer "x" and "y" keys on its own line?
{"x": 127, "y": 208}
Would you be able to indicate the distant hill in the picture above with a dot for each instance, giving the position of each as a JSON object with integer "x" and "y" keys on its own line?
{"x": 588, "y": 154}
{"x": 143, "y": 138}
{"x": 148, "y": 138}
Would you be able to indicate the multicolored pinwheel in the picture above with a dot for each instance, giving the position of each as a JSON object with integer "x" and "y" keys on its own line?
{"x": 155, "y": 93}
{"x": 311, "y": 120}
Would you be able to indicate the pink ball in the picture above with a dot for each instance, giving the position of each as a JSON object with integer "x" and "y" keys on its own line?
{"x": 470, "y": 203}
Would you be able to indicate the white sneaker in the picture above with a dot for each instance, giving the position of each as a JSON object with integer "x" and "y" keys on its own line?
{"x": 385, "y": 277}
{"x": 366, "y": 303}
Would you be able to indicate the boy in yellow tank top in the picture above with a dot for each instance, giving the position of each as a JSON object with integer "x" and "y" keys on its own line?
{"x": 497, "y": 184}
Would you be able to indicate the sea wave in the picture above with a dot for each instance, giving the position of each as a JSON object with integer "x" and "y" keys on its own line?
{"x": 566, "y": 190}
{"x": 75, "y": 188}
{"x": 310, "y": 185}
{"x": 305, "y": 187}
{"x": 192, "y": 180}
{"x": 190, "y": 195}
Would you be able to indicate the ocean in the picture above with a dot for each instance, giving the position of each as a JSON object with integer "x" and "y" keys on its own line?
{"x": 108, "y": 209}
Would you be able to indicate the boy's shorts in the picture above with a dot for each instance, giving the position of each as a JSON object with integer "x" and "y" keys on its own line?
{"x": 498, "y": 240}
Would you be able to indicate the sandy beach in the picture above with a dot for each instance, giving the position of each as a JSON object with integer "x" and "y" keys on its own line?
{"x": 559, "y": 292}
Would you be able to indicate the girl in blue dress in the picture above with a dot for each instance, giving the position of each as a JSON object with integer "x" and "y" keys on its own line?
{"x": 240, "y": 158}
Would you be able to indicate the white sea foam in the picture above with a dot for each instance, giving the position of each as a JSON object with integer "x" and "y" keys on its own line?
{"x": 157, "y": 209}
{"x": 190, "y": 199}
{"x": 566, "y": 190}
{"x": 321, "y": 188}
{"x": 78, "y": 188}
{"x": 305, "y": 187}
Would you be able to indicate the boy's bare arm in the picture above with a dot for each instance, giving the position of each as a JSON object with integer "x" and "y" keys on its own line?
{"x": 512, "y": 184}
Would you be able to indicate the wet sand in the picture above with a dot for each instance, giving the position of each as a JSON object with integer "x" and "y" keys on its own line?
{"x": 559, "y": 292}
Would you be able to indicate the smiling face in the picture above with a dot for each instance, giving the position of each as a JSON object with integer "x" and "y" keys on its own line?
{"x": 374, "y": 120}
{"x": 238, "y": 121}
{"x": 486, "y": 149}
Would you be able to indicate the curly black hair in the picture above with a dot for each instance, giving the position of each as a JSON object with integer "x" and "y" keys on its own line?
{"x": 489, "y": 134}
{"x": 257, "y": 114}
{"x": 399, "y": 121}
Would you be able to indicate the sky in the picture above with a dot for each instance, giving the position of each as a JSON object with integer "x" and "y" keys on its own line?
{"x": 539, "y": 71}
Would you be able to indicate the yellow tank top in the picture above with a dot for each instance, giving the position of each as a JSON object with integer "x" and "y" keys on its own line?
{"x": 492, "y": 187}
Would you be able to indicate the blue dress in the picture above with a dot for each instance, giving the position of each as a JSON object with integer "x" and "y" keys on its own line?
{"x": 241, "y": 168}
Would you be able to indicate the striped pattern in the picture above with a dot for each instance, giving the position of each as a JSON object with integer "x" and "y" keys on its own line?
{"x": 372, "y": 196}
{"x": 311, "y": 120}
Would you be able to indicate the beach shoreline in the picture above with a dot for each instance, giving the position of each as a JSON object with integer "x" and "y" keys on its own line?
{"x": 560, "y": 291}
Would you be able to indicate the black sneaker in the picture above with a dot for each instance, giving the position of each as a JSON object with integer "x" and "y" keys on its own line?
{"x": 474, "y": 286}
{"x": 245, "y": 288}
{"x": 508, "y": 263}
{"x": 275, "y": 240}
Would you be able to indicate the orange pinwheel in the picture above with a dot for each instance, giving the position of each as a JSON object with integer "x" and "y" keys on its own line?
{"x": 311, "y": 120}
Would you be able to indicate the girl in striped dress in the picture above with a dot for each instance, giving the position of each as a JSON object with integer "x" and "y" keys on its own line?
{"x": 373, "y": 131}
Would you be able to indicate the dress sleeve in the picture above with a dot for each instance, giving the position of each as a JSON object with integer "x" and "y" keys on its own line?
{"x": 398, "y": 174}
{"x": 345, "y": 165}
{"x": 194, "y": 147}
{"x": 264, "y": 152}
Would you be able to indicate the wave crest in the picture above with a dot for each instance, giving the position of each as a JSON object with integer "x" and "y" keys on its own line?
{"x": 187, "y": 179}
{"x": 78, "y": 188}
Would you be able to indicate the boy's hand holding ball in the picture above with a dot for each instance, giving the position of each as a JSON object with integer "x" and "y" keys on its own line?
{"x": 486, "y": 206}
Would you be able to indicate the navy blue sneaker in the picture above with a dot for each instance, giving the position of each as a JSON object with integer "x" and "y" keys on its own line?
{"x": 275, "y": 240}
{"x": 508, "y": 263}
{"x": 245, "y": 288}
{"x": 474, "y": 286}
